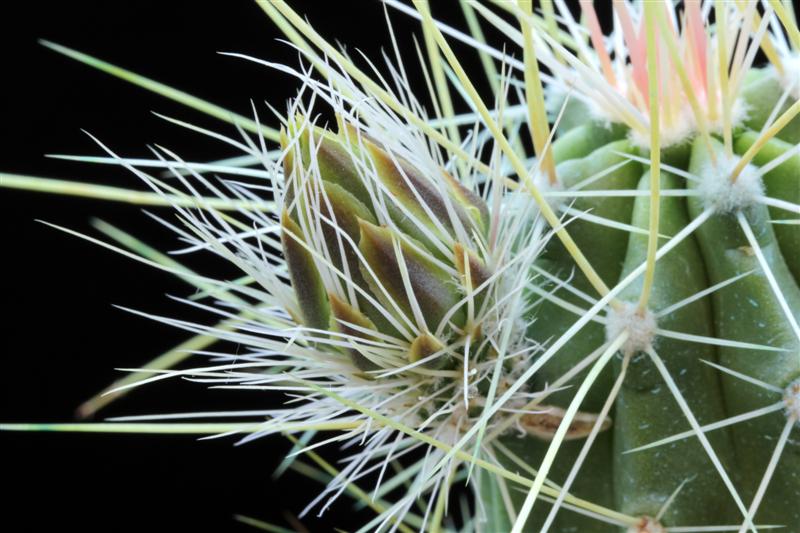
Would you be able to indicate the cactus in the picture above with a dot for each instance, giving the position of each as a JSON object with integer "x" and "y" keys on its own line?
{"x": 594, "y": 327}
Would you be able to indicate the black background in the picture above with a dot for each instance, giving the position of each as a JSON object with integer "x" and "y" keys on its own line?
{"x": 61, "y": 338}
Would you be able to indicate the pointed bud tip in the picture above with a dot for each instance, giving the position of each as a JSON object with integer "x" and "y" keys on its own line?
{"x": 424, "y": 346}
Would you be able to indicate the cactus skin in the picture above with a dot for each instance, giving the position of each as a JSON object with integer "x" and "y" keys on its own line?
{"x": 726, "y": 253}
{"x": 645, "y": 408}
{"x": 645, "y": 411}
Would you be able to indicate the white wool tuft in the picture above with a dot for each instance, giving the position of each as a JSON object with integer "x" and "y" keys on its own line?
{"x": 685, "y": 128}
{"x": 791, "y": 75}
{"x": 722, "y": 194}
{"x": 791, "y": 397}
{"x": 641, "y": 327}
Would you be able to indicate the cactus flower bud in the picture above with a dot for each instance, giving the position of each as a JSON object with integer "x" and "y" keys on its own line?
{"x": 363, "y": 233}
